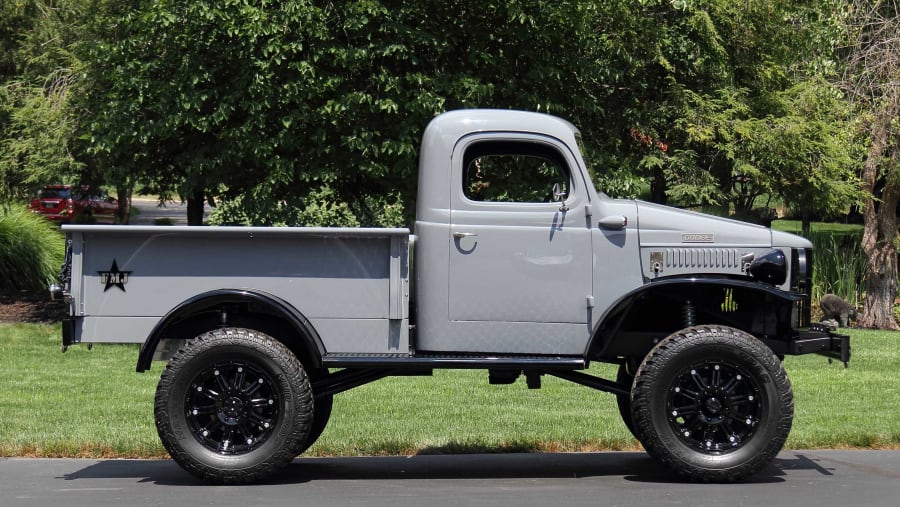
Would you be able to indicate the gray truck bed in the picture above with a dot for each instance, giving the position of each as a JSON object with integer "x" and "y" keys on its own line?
{"x": 352, "y": 284}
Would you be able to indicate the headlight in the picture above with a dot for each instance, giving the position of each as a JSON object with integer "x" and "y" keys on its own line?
{"x": 801, "y": 270}
{"x": 801, "y": 281}
{"x": 770, "y": 267}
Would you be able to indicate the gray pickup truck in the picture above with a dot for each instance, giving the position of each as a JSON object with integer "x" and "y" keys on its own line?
{"x": 518, "y": 266}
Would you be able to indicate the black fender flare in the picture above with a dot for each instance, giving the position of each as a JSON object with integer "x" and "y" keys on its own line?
{"x": 609, "y": 324}
{"x": 310, "y": 341}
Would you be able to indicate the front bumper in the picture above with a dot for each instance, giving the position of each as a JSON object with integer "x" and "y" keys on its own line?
{"x": 818, "y": 339}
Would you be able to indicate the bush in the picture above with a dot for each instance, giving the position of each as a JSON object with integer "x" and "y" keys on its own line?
{"x": 31, "y": 250}
{"x": 319, "y": 208}
{"x": 839, "y": 266}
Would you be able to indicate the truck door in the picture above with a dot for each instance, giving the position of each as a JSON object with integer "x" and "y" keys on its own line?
{"x": 520, "y": 260}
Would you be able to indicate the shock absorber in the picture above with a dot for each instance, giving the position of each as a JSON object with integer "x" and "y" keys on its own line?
{"x": 688, "y": 314}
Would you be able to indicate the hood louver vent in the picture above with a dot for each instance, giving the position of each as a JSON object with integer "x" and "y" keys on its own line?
{"x": 702, "y": 258}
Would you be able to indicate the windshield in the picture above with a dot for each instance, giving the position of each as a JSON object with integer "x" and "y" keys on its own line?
{"x": 55, "y": 193}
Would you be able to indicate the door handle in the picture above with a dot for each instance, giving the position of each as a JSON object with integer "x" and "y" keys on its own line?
{"x": 460, "y": 235}
{"x": 614, "y": 223}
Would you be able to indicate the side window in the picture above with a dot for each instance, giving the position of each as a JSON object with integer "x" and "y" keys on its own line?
{"x": 509, "y": 171}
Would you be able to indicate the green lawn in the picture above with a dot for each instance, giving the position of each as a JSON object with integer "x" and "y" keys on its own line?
{"x": 795, "y": 226}
{"x": 93, "y": 404}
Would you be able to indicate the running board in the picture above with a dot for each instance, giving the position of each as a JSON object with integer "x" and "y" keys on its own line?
{"x": 401, "y": 361}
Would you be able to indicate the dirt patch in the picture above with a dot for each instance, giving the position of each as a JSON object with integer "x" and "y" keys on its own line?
{"x": 30, "y": 307}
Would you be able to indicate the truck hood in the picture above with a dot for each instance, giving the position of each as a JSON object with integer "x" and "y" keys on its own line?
{"x": 664, "y": 226}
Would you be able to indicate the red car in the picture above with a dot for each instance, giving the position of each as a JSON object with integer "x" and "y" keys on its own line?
{"x": 63, "y": 203}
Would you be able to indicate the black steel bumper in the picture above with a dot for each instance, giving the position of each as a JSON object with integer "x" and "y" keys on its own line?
{"x": 818, "y": 339}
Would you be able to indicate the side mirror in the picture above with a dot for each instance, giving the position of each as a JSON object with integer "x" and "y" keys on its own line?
{"x": 560, "y": 196}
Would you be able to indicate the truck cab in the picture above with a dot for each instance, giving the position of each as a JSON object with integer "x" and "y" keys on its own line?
{"x": 511, "y": 262}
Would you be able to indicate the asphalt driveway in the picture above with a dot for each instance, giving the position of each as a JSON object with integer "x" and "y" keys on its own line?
{"x": 802, "y": 478}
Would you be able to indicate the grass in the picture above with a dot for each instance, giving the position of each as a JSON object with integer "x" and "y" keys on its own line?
{"x": 854, "y": 407}
{"x": 92, "y": 404}
{"x": 81, "y": 403}
{"x": 794, "y": 227}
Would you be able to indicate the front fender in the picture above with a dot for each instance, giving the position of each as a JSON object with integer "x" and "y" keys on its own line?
{"x": 639, "y": 319}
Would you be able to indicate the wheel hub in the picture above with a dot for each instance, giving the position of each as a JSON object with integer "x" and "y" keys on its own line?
{"x": 232, "y": 411}
{"x": 714, "y": 406}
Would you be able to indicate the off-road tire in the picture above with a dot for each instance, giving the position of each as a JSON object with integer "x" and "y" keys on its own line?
{"x": 320, "y": 420}
{"x": 233, "y": 406}
{"x": 712, "y": 403}
{"x": 623, "y": 401}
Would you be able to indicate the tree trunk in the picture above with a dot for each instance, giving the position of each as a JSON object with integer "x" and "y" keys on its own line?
{"x": 195, "y": 204}
{"x": 658, "y": 187}
{"x": 123, "y": 213}
{"x": 805, "y": 223}
{"x": 880, "y": 233}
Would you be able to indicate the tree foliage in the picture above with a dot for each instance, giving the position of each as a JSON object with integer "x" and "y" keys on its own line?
{"x": 283, "y": 99}
{"x": 737, "y": 108}
{"x": 39, "y": 68}
{"x": 285, "y": 103}
{"x": 306, "y": 112}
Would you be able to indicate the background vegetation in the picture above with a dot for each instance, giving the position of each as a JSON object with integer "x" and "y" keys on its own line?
{"x": 92, "y": 404}
{"x": 31, "y": 250}
{"x": 839, "y": 266}
{"x": 305, "y": 112}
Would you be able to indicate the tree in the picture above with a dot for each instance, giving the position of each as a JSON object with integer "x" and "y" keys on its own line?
{"x": 42, "y": 136}
{"x": 806, "y": 152}
{"x": 299, "y": 100}
{"x": 320, "y": 105}
{"x": 16, "y": 19}
{"x": 37, "y": 127}
{"x": 872, "y": 81}
{"x": 735, "y": 108}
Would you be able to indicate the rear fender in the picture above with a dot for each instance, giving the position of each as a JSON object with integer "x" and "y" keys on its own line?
{"x": 236, "y": 308}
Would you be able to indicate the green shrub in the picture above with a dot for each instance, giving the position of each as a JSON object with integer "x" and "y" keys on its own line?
{"x": 839, "y": 266}
{"x": 319, "y": 208}
{"x": 381, "y": 211}
{"x": 31, "y": 250}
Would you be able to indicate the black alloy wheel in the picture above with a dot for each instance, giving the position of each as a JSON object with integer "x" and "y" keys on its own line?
{"x": 232, "y": 407}
{"x": 714, "y": 406}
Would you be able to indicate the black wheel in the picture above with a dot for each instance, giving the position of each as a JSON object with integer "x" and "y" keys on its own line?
{"x": 233, "y": 406}
{"x": 712, "y": 403}
{"x": 623, "y": 400}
